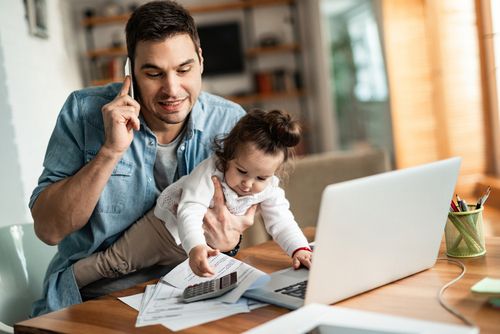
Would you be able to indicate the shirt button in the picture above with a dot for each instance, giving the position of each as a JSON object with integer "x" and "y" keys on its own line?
{"x": 149, "y": 179}
{"x": 151, "y": 142}
{"x": 182, "y": 147}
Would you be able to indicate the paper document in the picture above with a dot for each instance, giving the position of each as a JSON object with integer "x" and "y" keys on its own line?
{"x": 166, "y": 304}
{"x": 180, "y": 318}
{"x": 162, "y": 303}
{"x": 248, "y": 276}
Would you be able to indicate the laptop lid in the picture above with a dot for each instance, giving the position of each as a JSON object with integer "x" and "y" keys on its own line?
{"x": 371, "y": 231}
{"x": 377, "y": 229}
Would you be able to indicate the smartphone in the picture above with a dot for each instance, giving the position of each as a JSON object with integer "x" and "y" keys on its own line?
{"x": 210, "y": 289}
{"x": 128, "y": 71}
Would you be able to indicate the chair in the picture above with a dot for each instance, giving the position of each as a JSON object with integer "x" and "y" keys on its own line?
{"x": 23, "y": 262}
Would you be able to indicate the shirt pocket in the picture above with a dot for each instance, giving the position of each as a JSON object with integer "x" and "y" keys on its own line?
{"x": 115, "y": 194}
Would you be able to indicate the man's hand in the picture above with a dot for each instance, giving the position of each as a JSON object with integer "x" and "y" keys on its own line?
{"x": 223, "y": 229}
{"x": 121, "y": 118}
{"x": 198, "y": 260}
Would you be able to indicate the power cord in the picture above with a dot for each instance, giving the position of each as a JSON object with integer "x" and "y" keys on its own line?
{"x": 446, "y": 286}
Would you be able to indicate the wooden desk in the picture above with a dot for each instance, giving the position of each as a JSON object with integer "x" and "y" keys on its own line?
{"x": 414, "y": 296}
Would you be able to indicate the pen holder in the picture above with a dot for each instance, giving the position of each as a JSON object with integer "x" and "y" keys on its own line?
{"x": 464, "y": 233}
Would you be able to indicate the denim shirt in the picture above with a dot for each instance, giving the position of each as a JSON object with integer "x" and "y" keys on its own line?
{"x": 130, "y": 191}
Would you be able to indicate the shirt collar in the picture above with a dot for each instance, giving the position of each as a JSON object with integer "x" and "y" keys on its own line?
{"x": 198, "y": 115}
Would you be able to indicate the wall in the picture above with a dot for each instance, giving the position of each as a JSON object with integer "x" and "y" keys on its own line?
{"x": 11, "y": 194}
{"x": 488, "y": 13}
{"x": 434, "y": 77}
{"x": 36, "y": 77}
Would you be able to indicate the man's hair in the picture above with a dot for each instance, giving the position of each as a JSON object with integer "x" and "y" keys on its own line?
{"x": 158, "y": 20}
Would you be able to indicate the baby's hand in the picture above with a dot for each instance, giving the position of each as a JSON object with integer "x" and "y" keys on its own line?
{"x": 303, "y": 257}
{"x": 198, "y": 260}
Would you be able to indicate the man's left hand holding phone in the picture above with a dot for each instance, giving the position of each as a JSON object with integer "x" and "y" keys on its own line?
{"x": 121, "y": 117}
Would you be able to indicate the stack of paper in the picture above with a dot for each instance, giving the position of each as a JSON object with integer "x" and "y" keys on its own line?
{"x": 162, "y": 303}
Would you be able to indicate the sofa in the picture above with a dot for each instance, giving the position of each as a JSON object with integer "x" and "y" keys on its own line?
{"x": 309, "y": 175}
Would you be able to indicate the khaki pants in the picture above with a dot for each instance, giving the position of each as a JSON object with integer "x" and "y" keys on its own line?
{"x": 146, "y": 243}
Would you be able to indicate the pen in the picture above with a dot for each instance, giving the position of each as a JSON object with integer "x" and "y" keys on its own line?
{"x": 461, "y": 204}
{"x": 483, "y": 198}
{"x": 454, "y": 207}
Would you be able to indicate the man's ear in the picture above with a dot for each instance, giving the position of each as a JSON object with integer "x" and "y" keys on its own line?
{"x": 200, "y": 57}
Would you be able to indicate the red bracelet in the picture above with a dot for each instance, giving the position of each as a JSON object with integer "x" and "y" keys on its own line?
{"x": 301, "y": 248}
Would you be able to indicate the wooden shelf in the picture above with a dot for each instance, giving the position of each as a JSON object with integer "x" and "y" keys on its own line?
{"x": 108, "y": 52}
{"x": 253, "y": 52}
{"x": 236, "y": 5}
{"x": 258, "y": 97}
{"x": 242, "y": 4}
{"x": 104, "y": 20}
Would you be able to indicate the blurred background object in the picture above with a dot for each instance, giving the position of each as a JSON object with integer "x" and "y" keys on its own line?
{"x": 417, "y": 78}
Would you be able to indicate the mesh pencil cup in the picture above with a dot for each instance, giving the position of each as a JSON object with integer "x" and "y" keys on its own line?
{"x": 464, "y": 233}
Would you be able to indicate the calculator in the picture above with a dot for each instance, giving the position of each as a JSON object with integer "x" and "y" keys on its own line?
{"x": 210, "y": 289}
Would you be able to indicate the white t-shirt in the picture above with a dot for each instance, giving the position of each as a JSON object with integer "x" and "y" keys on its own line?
{"x": 182, "y": 205}
{"x": 165, "y": 166}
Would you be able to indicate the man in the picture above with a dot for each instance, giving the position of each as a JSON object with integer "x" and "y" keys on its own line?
{"x": 110, "y": 155}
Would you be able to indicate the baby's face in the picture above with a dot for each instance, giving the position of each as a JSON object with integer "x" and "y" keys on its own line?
{"x": 251, "y": 171}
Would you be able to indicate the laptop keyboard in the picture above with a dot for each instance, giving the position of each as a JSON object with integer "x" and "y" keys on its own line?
{"x": 295, "y": 290}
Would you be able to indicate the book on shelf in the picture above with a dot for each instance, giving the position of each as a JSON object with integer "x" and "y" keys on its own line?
{"x": 273, "y": 81}
{"x": 108, "y": 69}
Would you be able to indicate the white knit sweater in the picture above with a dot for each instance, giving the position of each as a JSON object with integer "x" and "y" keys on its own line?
{"x": 182, "y": 205}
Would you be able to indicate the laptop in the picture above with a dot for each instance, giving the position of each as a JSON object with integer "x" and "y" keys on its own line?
{"x": 371, "y": 231}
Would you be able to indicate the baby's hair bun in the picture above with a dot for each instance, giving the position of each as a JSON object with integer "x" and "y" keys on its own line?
{"x": 283, "y": 128}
